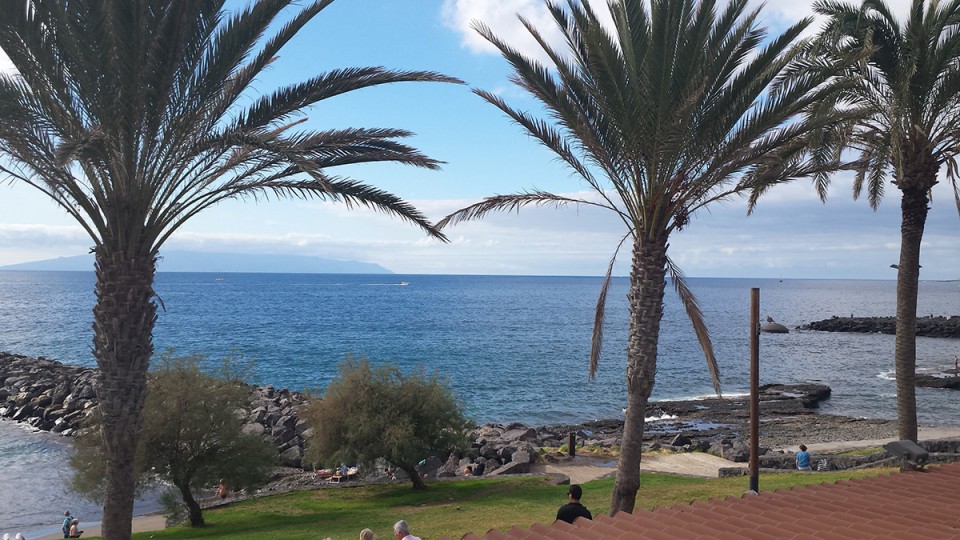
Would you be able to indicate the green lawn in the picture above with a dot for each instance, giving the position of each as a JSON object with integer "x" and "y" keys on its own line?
{"x": 454, "y": 508}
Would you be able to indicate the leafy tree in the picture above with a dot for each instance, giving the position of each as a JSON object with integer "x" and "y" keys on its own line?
{"x": 678, "y": 105}
{"x": 907, "y": 95}
{"x": 379, "y": 412}
{"x": 134, "y": 117}
{"x": 192, "y": 437}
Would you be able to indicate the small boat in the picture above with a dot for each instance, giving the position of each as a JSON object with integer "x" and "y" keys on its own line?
{"x": 325, "y": 473}
{"x": 404, "y": 283}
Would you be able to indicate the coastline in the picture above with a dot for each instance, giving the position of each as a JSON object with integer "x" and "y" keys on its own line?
{"x": 588, "y": 470}
{"x": 147, "y": 523}
{"x": 710, "y": 427}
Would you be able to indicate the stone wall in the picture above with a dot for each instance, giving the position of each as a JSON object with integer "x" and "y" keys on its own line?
{"x": 55, "y": 397}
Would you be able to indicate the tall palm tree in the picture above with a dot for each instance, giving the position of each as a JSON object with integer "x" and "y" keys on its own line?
{"x": 908, "y": 94}
{"x": 668, "y": 111}
{"x": 135, "y": 116}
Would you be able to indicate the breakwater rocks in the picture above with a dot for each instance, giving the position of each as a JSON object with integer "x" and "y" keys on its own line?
{"x": 54, "y": 397}
{"x": 942, "y": 327}
{"x": 46, "y": 394}
{"x": 714, "y": 425}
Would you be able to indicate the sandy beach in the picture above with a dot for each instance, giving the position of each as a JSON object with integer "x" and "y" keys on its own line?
{"x": 152, "y": 522}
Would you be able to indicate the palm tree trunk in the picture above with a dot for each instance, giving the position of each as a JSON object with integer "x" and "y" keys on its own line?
{"x": 913, "y": 208}
{"x": 647, "y": 283}
{"x": 123, "y": 321}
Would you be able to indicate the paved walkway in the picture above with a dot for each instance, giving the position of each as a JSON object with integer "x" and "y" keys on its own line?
{"x": 584, "y": 468}
{"x": 923, "y": 434}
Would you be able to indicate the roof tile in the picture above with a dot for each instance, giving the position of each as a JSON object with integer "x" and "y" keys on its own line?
{"x": 898, "y": 505}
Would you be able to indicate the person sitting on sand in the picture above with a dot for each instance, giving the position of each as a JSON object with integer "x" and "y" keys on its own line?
{"x": 367, "y": 534}
{"x": 803, "y": 459}
{"x": 75, "y": 531}
{"x": 222, "y": 490}
{"x": 573, "y": 509}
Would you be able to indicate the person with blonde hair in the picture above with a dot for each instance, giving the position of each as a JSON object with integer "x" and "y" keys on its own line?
{"x": 367, "y": 534}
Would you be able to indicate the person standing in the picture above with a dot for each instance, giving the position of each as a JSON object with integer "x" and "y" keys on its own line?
{"x": 401, "y": 531}
{"x": 573, "y": 509}
{"x": 803, "y": 459}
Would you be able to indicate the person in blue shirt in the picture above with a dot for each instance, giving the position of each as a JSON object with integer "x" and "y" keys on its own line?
{"x": 67, "y": 519}
{"x": 803, "y": 459}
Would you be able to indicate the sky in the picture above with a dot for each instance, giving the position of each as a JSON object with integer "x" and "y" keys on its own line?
{"x": 790, "y": 235}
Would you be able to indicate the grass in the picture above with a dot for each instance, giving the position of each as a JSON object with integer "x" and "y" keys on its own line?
{"x": 860, "y": 451}
{"x": 455, "y": 508}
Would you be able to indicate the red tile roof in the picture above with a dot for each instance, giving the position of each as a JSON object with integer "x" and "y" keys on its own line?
{"x": 922, "y": 505}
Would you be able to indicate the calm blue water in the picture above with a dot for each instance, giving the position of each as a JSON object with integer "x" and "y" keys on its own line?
{"x": 514, "y": 348}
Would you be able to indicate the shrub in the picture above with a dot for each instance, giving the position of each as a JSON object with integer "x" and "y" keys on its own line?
{"x": 378, "y": 412}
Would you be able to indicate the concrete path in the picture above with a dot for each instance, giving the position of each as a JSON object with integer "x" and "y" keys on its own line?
{"x": 923, "y": 434}
{"x": 584, "y": 468}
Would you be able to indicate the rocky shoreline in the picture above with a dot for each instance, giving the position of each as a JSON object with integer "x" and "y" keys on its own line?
{"x": 938, "y": 327}
{"x": 54, "y": 397}
{"x": 59, "y": 398}
{"x": 931, "y": 326}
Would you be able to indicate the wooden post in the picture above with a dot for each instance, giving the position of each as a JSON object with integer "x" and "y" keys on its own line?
{"x": 572, "y": 444}
{"x": 755, "y": 390}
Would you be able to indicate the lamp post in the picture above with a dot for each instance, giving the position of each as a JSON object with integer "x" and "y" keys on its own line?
{"x": 755, "y": 390}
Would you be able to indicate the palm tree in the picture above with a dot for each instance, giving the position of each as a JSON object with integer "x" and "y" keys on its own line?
{"x": 135, "y": 116}
{"x": 908, "y": 96}
{"x": 666, "y": 112}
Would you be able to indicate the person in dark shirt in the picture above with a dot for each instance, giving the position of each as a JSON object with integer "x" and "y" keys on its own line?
{"x": 573, "y": 509}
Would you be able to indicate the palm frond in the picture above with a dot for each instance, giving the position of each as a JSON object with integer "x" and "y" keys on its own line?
{"x": 282, "y": 103}
{"x": 600, "y": 313}
{"x": 508, "y": 203}
{"x": 695, "y": 314}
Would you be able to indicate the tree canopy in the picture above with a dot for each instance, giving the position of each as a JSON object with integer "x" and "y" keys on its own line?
{"x": 192, "y": 437}
{"x": 903, "y": 127}
{"x": 379, "y": 412}
{"x": 134, "y": 116}
{"x": 676, "y": 105}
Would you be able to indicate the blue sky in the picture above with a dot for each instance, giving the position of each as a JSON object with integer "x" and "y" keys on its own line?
{"x": 791, "y": 235}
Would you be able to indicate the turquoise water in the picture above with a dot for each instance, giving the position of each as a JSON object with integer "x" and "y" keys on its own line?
{"x": 513, "y": 348}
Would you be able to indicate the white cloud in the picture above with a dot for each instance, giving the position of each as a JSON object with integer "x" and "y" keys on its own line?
{"x": 6, "y": 66}
{"x": 794, "y": 10}
{"x": 42, "y": 235}
{"x": 501, "y": 16}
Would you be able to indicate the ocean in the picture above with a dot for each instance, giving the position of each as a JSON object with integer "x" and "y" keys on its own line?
{"x": 514, "y": 348}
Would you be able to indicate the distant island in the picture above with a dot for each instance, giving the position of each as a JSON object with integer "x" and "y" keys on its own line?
{"x": 191, "y": 261}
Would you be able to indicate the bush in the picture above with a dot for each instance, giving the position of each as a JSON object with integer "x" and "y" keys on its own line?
{"x": 192, "y": 437}
{"x": 369, "y": 413}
